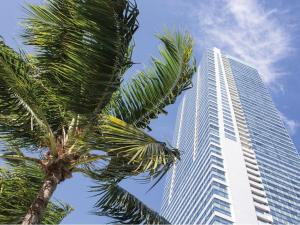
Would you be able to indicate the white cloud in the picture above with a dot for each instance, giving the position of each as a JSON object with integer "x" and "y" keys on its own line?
{"x": 247, "y": 30}
{"x": 292, "y": 125}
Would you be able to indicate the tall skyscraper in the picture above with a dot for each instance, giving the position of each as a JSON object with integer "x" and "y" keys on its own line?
{"x": 239, "y": 164}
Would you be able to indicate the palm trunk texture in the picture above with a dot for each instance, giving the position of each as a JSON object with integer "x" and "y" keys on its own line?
{"x": 37, "y": 208}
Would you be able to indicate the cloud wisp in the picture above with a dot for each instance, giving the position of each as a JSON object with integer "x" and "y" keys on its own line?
{"x": 245, "y": 29}
{"x": 291, "y": 125}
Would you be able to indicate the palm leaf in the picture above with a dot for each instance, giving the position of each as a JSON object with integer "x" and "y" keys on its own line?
{"x": 123, "y": 207}
{"x": 13, "y": 157}
{"x": 21, "y": 116}
{"x": 131, "y": 151}
{"x": 150, "y": 91}
{"x": 83, "y": 48}
{"x": 87, "y": 160}
{"x": 56, "y": 212}
{"x": 18, "y": 187}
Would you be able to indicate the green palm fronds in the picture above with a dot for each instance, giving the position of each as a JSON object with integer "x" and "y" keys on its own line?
{"x": 20, "y": 100}
{"x": 124, "y": 207}
{"x": 145, "y": 96}
{"x": 66, "y": 101}
{"x": 83, "y": 48}
{"x": 18, "y": 187}
{"x": 131, "y": 151}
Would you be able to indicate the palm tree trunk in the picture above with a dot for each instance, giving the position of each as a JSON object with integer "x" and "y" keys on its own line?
{"x": 37, "y": 208}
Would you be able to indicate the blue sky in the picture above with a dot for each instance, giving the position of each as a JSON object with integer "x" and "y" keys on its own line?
{"x": 263, "y": 33}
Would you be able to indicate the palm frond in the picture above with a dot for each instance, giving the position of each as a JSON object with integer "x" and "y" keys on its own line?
{"x": 123, "y": 207}
{"x": 18, "y": 187}
{"x": 56, "y": 212}
{"x": 14, "y": 156}
{"x": 83, "y": 48}
{"x": 131, "y": 151}
{"x": 21, "y": 116}
{"x": 87, "y": 160}
{"x": 19, "y": 158}
{"x": 149, "y": 92}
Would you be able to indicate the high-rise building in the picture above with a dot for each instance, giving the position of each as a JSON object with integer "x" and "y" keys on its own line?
{"x": 239, "y": 164}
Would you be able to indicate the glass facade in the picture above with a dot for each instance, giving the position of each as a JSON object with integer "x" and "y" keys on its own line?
{"x": 238, "y": 163}
{"x": 276, "y": 155}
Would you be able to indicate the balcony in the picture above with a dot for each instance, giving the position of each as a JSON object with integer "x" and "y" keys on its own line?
{"x": 253, "y": 172}
{"x": 261, "y": 206}
{"x": 254, "y": 178}
{"x": 258, "y": 192}
{"x": 261, "y": 200}
{"x": 252, "y": 161}
{"x": 264, "y": 217}
{"x": 251, "y": 166}
{"x": 250, "y": 156}
{"x": 256, "y": 185}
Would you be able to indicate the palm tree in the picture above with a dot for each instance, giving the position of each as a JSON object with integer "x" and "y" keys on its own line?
{"x": 19, "y": 183}
{"x": 66, "y": 102}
